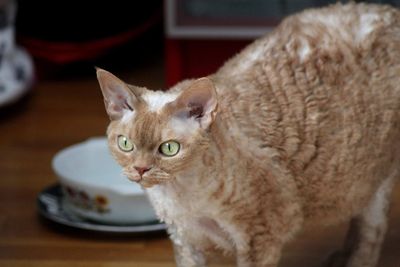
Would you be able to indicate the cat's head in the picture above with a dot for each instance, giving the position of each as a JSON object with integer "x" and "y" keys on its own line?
{"x": 154, "y": 135}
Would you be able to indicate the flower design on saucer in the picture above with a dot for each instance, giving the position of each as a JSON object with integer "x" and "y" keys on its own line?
{"x": 101, "y": 203}
{"x": 81, "y": 199}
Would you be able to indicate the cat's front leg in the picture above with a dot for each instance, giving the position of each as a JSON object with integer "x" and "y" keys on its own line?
{"x": 186, "y": 255}
{"x": 259, "y": 242}
{"x": 259, "y": 251}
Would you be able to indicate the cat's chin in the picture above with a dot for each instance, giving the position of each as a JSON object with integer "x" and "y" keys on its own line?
{"x": 147, "y": 183}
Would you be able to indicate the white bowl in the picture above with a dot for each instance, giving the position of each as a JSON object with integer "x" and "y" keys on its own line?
{"x": 95, "y": 188}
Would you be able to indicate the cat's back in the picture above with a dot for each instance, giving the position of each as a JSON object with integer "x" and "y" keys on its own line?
{"x": 336, "y": 29}
{"x": 312, "y": 68}
{"x": 322, "y": 94}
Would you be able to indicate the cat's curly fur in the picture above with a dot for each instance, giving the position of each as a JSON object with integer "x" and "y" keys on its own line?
{"x": 301, "y": 127}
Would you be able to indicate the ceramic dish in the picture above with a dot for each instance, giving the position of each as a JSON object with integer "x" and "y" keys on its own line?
{"x": 51, "y": 205}
{"x": 94, "y": 187}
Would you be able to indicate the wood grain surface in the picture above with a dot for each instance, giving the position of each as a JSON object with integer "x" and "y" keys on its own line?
{"x": 60, "y": 113}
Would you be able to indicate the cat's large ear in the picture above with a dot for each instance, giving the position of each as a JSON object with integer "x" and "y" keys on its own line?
{"x": 198, "y": 101}
{"x": 118, "y": 97}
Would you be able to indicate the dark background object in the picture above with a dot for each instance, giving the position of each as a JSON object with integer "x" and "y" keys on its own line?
{"x": 71, "y": 36}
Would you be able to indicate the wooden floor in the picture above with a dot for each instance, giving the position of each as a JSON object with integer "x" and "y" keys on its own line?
{"x": 64, "y": 112}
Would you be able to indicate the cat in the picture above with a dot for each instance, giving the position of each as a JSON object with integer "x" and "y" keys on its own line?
{"x": 300, "y": 128}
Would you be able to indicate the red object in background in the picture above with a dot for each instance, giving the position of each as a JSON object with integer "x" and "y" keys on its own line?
{"x": 64, "y": 40}
{"x": 68, "y": 52}
{"x": 186, "y": 58}
{"x": 202, "y": 35}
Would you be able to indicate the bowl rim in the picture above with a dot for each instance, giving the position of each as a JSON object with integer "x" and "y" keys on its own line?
{"x": 113, "y": 187}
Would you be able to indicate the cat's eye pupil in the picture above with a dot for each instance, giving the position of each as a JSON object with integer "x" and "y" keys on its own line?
{"x": 124, "y": 143}
{"x": 169, "y": 148}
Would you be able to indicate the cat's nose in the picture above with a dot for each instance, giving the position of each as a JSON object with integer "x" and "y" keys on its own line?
{"x": 142, "y": 170}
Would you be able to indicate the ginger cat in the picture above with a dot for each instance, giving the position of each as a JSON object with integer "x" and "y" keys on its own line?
{"x": 301, "y": 127}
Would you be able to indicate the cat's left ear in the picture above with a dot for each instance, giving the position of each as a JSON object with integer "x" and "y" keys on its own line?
{"x": 198, "y": 101}
{"x": 118, "y": 96}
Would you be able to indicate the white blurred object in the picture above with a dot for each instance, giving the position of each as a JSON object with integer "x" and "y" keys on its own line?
{"x": 16, "y": 66}
{"x": 94, "y": 187}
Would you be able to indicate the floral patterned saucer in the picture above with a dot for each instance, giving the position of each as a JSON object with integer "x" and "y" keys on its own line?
{"x": 52, "y": 207}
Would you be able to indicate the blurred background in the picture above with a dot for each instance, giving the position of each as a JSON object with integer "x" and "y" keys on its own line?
{"x": 191, "y": 38}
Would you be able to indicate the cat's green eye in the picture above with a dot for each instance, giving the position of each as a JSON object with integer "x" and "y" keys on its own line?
{"x": 124, "y": 143}
{"x": 169, "y": 148}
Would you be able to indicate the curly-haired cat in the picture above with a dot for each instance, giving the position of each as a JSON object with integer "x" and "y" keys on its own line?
{"x": 301, "y": 127}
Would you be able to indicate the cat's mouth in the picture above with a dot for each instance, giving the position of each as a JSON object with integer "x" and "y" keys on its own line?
{"x": 147, "y": 180}
{"x": 133, "y": 177}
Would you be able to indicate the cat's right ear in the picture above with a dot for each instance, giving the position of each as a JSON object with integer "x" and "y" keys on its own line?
{"x": 198, "y": 102}
{"x": 118, "y": 97}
